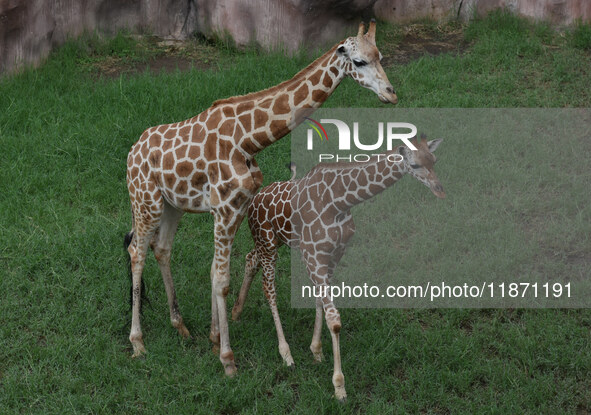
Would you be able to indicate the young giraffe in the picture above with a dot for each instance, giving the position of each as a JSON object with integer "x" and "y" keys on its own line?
{"x": 206, "y": 164}
{"x": 313, "y": 214}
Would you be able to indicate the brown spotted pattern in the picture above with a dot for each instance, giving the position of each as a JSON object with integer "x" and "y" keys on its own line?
{"x": 206, "y": 164}
{"x": 313, "y": 214}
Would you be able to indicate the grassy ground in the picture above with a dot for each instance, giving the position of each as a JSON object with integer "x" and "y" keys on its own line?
{"x": 66, "y": 129}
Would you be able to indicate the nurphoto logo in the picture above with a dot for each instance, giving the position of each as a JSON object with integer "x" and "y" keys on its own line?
{"x": 388, "y": 131}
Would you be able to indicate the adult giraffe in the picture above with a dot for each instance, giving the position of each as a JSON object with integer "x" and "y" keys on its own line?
{"x": 206, "y": 164}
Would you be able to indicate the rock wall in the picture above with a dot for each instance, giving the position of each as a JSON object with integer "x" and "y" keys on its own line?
{"x": 560, "y": 12}
{"x": 287, "y": 24}
{"x": 29, "y": 29}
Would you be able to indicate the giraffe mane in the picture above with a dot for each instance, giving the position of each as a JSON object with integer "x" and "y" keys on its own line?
{"x": 258, "y": 94}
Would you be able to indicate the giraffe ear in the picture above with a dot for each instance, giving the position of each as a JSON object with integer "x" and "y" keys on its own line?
{"x": 433, "y": 144}
{"x": 361, "y": 30}
{"x": 342, "y": 51}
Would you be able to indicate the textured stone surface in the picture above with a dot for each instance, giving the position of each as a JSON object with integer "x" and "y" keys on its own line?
{"x": 29, "y": 29}
{"x": 403, "y": 10}
{"x": 286, "y": 24}
{"x": 556, "y": 11}
{"x": 561, "y": 12}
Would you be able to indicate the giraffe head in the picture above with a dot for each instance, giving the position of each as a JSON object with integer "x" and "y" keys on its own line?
{"x": 360, "y": 59}
{"x": 419, "y": 164}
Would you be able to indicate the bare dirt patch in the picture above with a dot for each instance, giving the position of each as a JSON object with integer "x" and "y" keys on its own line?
{"x": 158, "y": 55}
{"x": 418, "y": 40}
{"x": 113, "y": 67}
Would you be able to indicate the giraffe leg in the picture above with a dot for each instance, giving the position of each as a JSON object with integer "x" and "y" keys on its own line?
{"x": 319, "y": 274}
{"x": 251, "y": 268}
{"x": 214, "y": 333}
{"x": 137, "y": 252}
{"x": 316, "y": 345}
{"x": 269, "y": 259}
{"x": 224, "y": 230}
{"x": 162, "y": 245}
{"x": 333, "y": 321}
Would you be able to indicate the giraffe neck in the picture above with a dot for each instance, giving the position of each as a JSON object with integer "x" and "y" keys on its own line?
{"x": 362, "y": 181}
{"x": 268, "y": 115}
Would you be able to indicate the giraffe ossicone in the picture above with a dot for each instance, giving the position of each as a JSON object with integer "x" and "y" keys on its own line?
{"x": 206, "y": 164}
{"x": 312, "y": 214}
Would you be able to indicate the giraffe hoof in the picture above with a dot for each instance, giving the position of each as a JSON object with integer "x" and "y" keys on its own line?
{"x": 227, "y": 359}
{"x": 138, "y": 348}
{"x": 316, "y": 349}
{"x": 340, "y": 394}
{"x": 230, "y": 370}
{"x": 184, "y": 332}
{"x": 289, "y": 362}
{"x": 291, "y": 367}
{"x": 138, "y": 352}
{"x": 236, "y": 314}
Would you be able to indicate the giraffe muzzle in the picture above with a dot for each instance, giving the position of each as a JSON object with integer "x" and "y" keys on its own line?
{"x": 388, "y": 96}
{"x": 438, "y": 191}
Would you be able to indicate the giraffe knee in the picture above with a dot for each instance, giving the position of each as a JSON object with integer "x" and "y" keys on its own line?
{"x": 133, "y": 251}
{"x": 333, "y": 321}
{"x": 221, "y": 285}
{"x": 162, "y": 255}
{"x": 222, "y": 290}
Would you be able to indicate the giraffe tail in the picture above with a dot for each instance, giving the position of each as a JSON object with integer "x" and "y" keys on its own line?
{"x": 251, "y": 268}
{"x": 126, "y": 242}
{"x": 292, "y": 167}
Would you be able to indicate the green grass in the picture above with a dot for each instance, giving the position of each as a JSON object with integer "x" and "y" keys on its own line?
{"x": 65, "y": 134}
{"x": 580, "y": 36}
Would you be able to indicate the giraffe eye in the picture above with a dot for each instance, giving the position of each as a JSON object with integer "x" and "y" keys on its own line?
{"x": 359, "y": 63}
{"x": 415, "y": 166}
